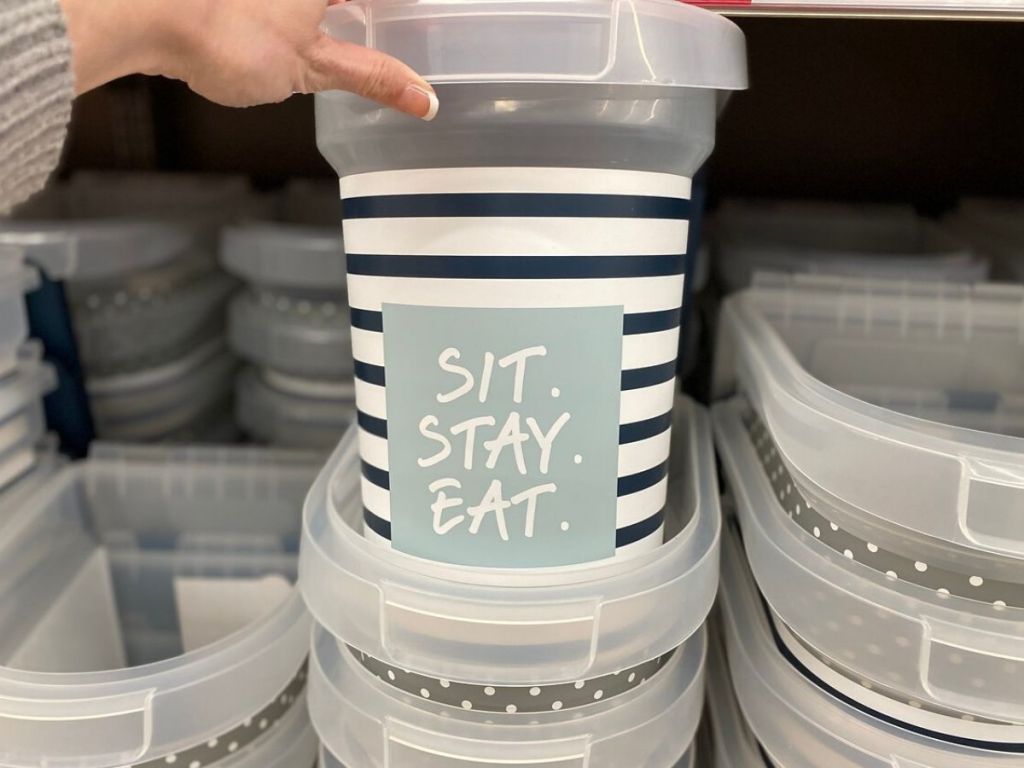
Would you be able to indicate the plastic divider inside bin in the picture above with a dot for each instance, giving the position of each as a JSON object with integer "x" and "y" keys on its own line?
{"x": 531, "y": 626}
{"x": 364, "y": 723}
{"x": 931, "y": 647}
{"x": 794, "y": 344}
{"x": 802, "y": 722}
{"x": 91, "y": 563}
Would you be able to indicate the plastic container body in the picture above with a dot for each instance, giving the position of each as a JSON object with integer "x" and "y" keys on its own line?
{"x": 532, "y": 628}
{"x": 804, "y": 721}
{"x": 539, "y": 224}
{"x": 877, "y": 241}
{"x": 362, "y": 722}
{"x": 148, "y": 611}
{"x": 733, "y": 744}
{"x": 22, "y": 422}
{"x": 898, "y": 409}
{"x": 943, "y": 651}
{"x": 15, "y": 279}
{"x": 272, "y": 409}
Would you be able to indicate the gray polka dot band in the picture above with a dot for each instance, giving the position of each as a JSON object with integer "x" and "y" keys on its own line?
{"x": 238, "y": 738}
{"x": 945, "y": 582}
{"x": 513, "y": 699}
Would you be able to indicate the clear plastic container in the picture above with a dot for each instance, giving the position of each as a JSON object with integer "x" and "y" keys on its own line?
{"x": 152, "y": 402}
{"x": 995, "y": 228}
{"x": 149, "y": 614}
{"x": 942, "y": 651}
{"x": 15, "y": 279}
{"x": 803, "y": 721}
{"x": 732, "y": 742}
{"x": 22, "y": 422}
{"x": 286, "y": 255}
{"x": 545, "y": 211}
{"x": 877, "y": 241}
{"x": 282, "y": 410}
{"x": 531, "y": 627}
{"x": 299, "y": 333}
{"x": 364, "y": 723}
{"x": 842, "y": 372}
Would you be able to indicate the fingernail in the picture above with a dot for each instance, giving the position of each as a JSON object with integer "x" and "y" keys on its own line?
{"x": 421, "y": 102}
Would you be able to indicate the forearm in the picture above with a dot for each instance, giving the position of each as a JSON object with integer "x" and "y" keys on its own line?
{"x": 36, "y": 89}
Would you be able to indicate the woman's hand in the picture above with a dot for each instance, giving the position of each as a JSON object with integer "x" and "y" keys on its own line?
{"x": 235, "y": 52}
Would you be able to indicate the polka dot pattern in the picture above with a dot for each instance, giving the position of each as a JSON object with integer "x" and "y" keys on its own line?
{"x": 513, "y": 699}
{"x": 213, "y": 751}
{"x": 944, "y": 582}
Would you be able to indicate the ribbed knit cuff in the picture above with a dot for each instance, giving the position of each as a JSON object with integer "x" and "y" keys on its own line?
{"x": 36, "y": 91}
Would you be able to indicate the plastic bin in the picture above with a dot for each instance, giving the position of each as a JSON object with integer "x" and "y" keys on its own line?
{"x": 15, "y": 280}
{"x": 807, "y": 716}
{"x": 21, "y": 414}
{"x": 148, "y": 612}
{"x": 286, "y": 255}
{"x": 363, "y": 722}
{"x": 542, "y": 217}
{"x": 877, "y": 241}
{"x": 876, "y": 396}
{"x": 941, "y": 650}
{"x": 732, "y": 742}
{"x": 153, "y": 402}
{"x": 300, "y": 334}
{"x": 283, "y": 410}
{"x": 530, "y": 627}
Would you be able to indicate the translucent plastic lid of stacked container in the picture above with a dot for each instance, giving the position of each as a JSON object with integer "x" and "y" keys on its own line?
{"x": 528, "y": 627}
{"x": 893, "y": 406}
{"x": 21, "y": 413}
{"x": 149, "y": 614}
{"x": 858, "y": 240}
{"x": 804, "y": 717}
{"x": 15, "y": 280}
{"x": 899, "y": 629}
{"x": 363, "y": 722}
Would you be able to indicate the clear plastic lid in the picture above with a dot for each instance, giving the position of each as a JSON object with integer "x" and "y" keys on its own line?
{"x": 538, "y": 626}
{"x": 286, "y": 255}
{"x": 801, "y": 721}
{"x": 944, "y": 652}
{"x": 88, "y": 680}
{"x": 841, "y": 372}
{"x": 364, "y": 723}
{"x": 620, "y": 42}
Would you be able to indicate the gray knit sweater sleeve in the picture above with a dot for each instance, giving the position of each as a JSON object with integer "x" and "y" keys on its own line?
{"x": 36, "y": 90}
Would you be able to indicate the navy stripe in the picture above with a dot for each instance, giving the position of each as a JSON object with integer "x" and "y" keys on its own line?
{"x": 377, "y": 476}
{"x": 372, "y": 424}
{"x": 641, "y": 430}
{"x": 651, "y": 322}
{"x": 640, "y": 530}
{"x": 514, "y": 267}
{"x": 535, "y": 204}
{"x": 378, "y": 525}
{"x": 997, "y": 746}
{"x": 367, "y": 320}
{"x": 371, "y": 374}
{"x": 632, "y": 324}
{"x": 638, "y": 378}
{"x": 641, "y": 480}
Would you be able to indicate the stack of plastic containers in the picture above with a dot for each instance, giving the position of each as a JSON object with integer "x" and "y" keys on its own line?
{"x": 24, "y": 378}
{"x": 147, "y": 304}
{"x": 876, "y": 456}
{"x": 880, "y": 241}
{"x": 511, "y": 557}
{"x": 996, "y": 229}
{"x": 150, "y": 616}
{"x": 292, "y": 324}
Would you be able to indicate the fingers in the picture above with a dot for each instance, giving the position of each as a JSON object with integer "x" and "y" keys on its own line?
{"x": 337, "y": 65}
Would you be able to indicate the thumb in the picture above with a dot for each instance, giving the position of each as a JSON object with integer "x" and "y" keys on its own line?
{"x": 337, "y": 65}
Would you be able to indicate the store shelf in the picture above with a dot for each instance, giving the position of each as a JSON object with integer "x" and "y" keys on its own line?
{"x": 980, "y": 10}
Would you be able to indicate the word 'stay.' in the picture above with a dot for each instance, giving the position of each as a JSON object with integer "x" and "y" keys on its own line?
{"x": 503, "y": 433}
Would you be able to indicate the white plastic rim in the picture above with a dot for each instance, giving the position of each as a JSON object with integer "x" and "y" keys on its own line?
{"x": 109, "y": 719}
{"x": 623, "y": 42}
{"x": 950, "y": 640}
{"x": 801, "y": 725}
{"x": 959, "y": 475}
{"x": 286, "y": 255}
{"x": 535, "y": 626}
{"x": 364, "y": 723}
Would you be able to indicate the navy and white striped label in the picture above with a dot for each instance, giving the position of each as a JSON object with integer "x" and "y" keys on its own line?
{"x": 520, "y": 284}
